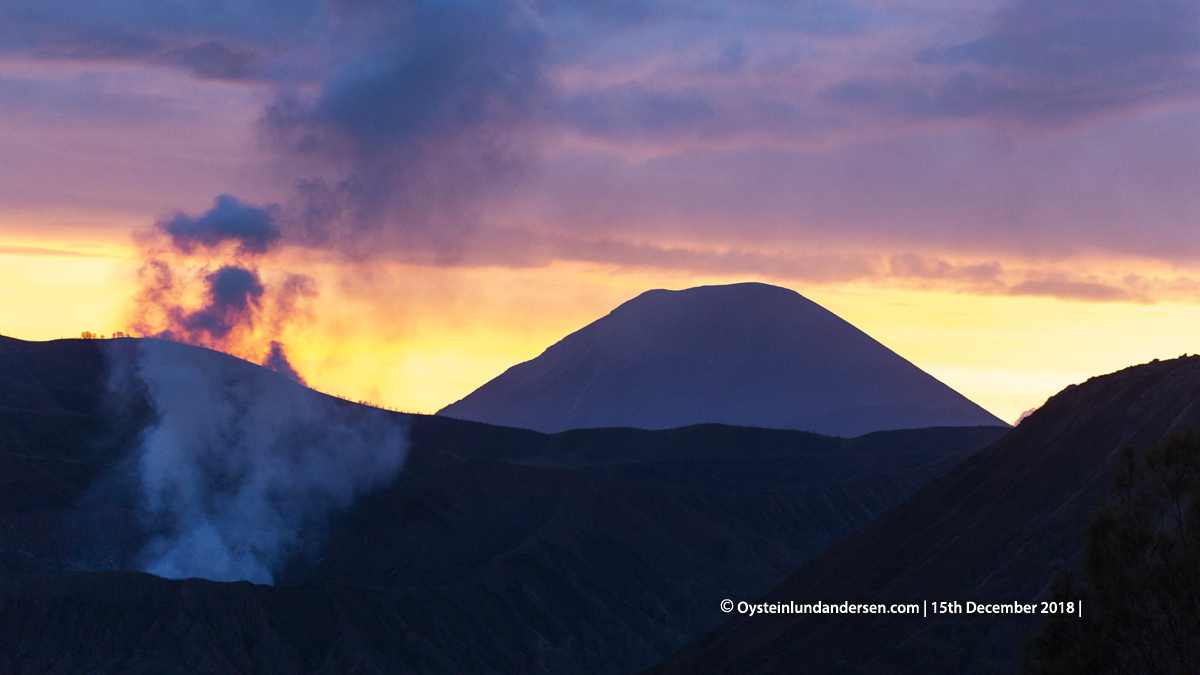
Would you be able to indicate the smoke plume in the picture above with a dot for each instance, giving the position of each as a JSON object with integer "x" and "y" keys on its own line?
{"x": 428, "y": 107}
{"x": 201, "y": 284}
{"x": 244, "y": 468}
{"x": 411, "y": 115}
{"x": 233, "y": 294}
{"x": 277, "y": 361}
{"x": 253, "y": 228}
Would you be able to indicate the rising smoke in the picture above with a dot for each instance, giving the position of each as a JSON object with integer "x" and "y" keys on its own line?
{"x": 233, "y": 294}
{"x": 429, "y": 107}
{"x": 421, "y": 110}
{"x": 243, "y": 468}
{"x": 201, "y": 284}
{"x": 252, "y": 228}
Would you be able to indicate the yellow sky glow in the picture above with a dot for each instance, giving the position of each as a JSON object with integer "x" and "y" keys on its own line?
{"x": 418, "y": 338}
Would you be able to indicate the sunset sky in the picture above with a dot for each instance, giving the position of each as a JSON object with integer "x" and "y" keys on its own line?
{"x": 422, "y": 193}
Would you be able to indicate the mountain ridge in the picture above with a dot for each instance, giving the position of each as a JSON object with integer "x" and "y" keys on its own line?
{"x": 999, "y": 527}
{"x": 496, "y": 549}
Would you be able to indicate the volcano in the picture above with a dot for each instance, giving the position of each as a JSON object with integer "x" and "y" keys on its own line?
{"x": 744, "y": 354}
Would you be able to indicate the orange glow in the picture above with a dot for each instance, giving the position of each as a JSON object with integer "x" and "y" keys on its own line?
{"x": 51, "y": 289}
{"x": 437, "y": 334}
{"x": 418, "y": 338}
{"x": 1009, "y": 354}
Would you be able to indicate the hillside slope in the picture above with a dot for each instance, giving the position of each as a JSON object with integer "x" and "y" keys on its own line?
{"x": 495, "y": 550}
{"x": 996, "y": 529}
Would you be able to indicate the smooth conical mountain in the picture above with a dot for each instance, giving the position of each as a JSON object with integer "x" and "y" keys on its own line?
{"x": 744, "y": 354}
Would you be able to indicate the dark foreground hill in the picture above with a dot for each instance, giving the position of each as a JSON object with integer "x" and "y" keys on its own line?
{"x": 745, "y": 354}
{"x": 996, "y": 529}
{"x": 495, "y": 550}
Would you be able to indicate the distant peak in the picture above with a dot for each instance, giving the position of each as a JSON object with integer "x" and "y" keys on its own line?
{"x": 748, "y": 354}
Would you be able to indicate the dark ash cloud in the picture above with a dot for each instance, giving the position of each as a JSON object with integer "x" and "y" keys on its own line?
{"x": 396, "y": 119}
{"x": 253, "y": 227}
{"x": 434, "y": 106}
{"x": 234, "y": 294}
{"x": 241, "y": 314}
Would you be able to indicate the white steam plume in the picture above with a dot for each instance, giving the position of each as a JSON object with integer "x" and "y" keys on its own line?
{"x": 243, "y": 464}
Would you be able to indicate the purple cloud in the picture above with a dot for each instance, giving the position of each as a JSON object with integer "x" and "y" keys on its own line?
{"x": 635, "y": 112}
{"x": 252, "y": 227}
{"x": 1048, "y": 63}
{"x": 652, "y": 132}
{"x": 1065, "y": 289}
{"x": 225, "y": 39}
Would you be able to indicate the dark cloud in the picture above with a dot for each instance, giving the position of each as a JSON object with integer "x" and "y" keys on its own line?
{"x": 1042, "y": 63}
{"x": 394, "y": 117}
{"x": 407, "y": 124}
{"x": 433, "y": 106}
{"x": 249, "y": 40}
{"x": 962, "y": 95}
{"x": 240, "y": 314}
{"x": 234, "y": 293}
{"x": 1049, "y": 63}
{"x": 252, "y": 227}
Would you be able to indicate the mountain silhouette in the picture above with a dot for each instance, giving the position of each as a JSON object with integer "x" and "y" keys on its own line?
{"x": 998, "y": 528}
{"x": 494, "y": 550}
{"x": 744, "y": 354}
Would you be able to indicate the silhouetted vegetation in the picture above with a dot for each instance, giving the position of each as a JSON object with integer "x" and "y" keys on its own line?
{"x": 1142, "y": 574}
